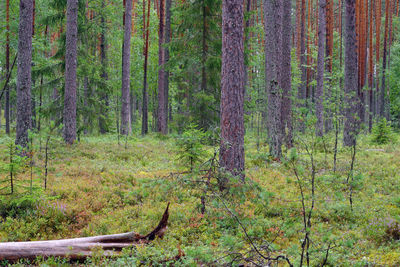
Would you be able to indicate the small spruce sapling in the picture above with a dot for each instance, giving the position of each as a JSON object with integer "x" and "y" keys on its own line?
{"x": 190, "y": 147}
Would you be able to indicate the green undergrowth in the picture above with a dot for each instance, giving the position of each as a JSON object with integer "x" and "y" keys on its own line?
{"x": 101, "y": 187}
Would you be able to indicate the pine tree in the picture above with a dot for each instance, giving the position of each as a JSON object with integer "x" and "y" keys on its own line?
{"x": 126, "y": 69}
{"x": 232, "y": 88}
{"x": 24, "y": 79}
{"x": 352, "y": 103}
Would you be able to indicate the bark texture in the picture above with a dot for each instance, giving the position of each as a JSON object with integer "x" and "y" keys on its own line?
{"x": 303, "y": 84}
{"x": 272, "y": 13}
{"x": 104, "y": 75}
{"x": 24, "y": 79}
{"x": 351, "y": 123}
{"x": 145, "y": 125}
{"x": 126, "y": 69}
{"x": 319, "y": 93}
{"x": 162, "y": 108}
{"x": 70, "y": 72}
{"x": 167, "y": 40}
{"x": 232, "y": 88}
{"x": 382, "y": 107}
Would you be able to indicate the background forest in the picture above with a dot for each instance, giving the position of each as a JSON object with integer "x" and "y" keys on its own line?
{"x": 289, "y": 156}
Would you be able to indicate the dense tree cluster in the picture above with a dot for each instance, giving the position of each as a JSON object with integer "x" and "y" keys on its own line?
{"x": 98, "y": 66}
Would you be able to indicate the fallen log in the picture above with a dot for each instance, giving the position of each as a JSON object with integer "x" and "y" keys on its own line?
{"x": 80, "y": 248}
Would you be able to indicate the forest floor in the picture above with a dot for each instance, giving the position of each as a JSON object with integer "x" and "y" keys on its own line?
{"x": 101, "y": 187}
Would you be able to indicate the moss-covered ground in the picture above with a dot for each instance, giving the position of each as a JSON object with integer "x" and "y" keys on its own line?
{"x": 98, "y": 186}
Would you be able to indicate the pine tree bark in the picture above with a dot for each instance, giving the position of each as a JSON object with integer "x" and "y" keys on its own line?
{"x": 378, "y": 17}
{"x": 272, "y": 28}
{"x": 70, "y": 72}
{"x": 167, "y": 40}
{"x": 104, "y": 75}
{"x": 370, "y": 68}
{"x": 319, "y": 93}
{"x": 303, "y": 83}
{"x": 162, "y": 111}
{"x": 352, "y": 103}
{"x": 24, "y": 79}
{"x": 382, "y": 100}
{"x": 232, "y": 88}
{"x": 126, "y": 69}
{"x": 146, "y": 25}
{"x": 286, "y": 74}
{"x": 7, "y": 95}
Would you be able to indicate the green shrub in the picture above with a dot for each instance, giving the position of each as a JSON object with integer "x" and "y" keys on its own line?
{"x": 190, "y": 147}
{"x": 382, "y": 133}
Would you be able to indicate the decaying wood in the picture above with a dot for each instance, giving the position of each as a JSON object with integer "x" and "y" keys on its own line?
{"x": 80, "y": 248}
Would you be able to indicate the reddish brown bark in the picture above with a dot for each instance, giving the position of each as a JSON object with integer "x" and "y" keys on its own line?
{"x": 378, "y": 16}
{"x": 320, "y": 68}
{"x": 145, "y": 125}
{"x": 382, "y": 108}
{"x": 370, "y": 67}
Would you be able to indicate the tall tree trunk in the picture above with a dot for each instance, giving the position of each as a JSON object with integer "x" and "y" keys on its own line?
{"x": 145, "y": 122}
{"x": 232, "y": 88}
{"x": 33, "y": 100}
{"x": 286, "y": 74}
{"x": 104, "y": 75}
{"x": 167, "y": 40}
{"x": 272, "y": 28}
{"x": 351, "y": 77}
{"x": 203, "y": 115}
{"x": 382, "y": 107}
{"x": 320, "y": 68}
{"x": 70, "y": 72}
{"x": 303, "y": 82}
{"x": 370, "y": 68}
{"x": 162, "y": 110}
{"x": 126, "y": 69}
{"x": 24, "y": 112}
{"x": 378, "y": 17}
{"x": 7, "y": 104}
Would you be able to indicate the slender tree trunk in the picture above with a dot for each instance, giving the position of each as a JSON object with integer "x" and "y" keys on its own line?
{"x": 126, "y": 69}
{"x": 351, "y": 124}
{"x": 145, "y": 123}
{"x": 104, "y": 75}
{"x": 162, "y": 111}
{"x": 167, "y": 40}
{"x": 320, "y": 68}
{"x": 272, "y": 27}
{"x": 33, "y": 99}
{"x": 370, "y": 68}
{"x": 382, "y": 100}
{"x": 203, "y": 115}
{"x": 232, "y": 88}
{"x": 378, "y": 17}
{"x": 85, "y": 102}
{"x": 303, "y": 82}
{"x": 286, "y": 74}
{"x": 24, "y": 111}
{"x": 7, "y": 95}
{"x": 70, "y": 72}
